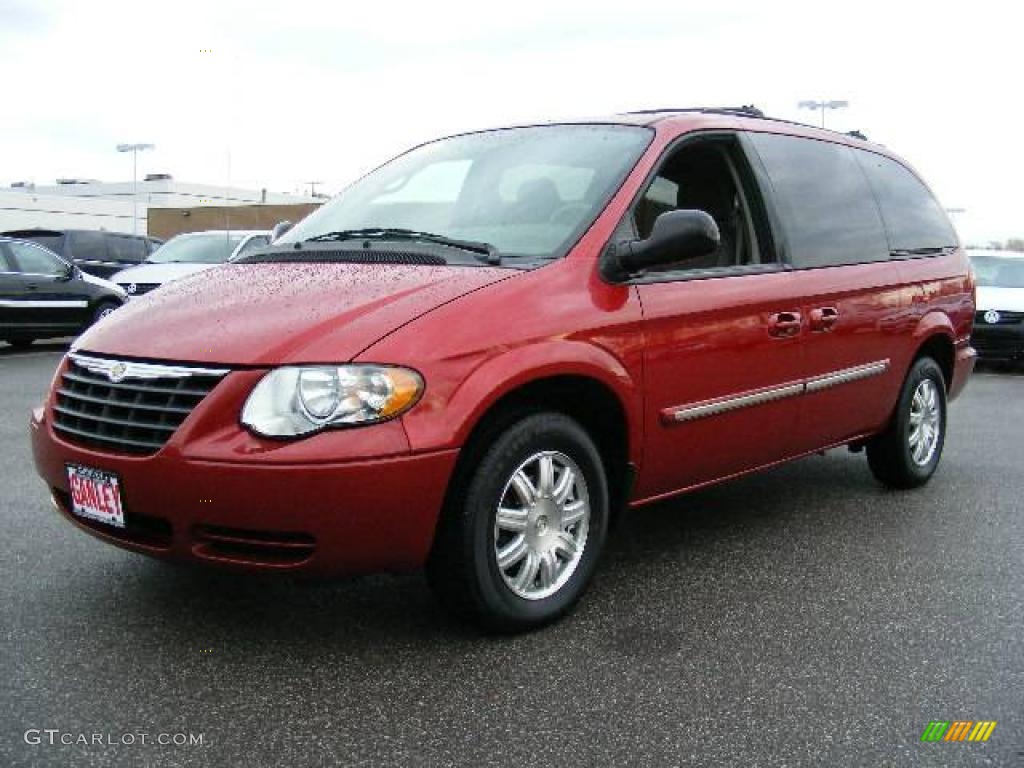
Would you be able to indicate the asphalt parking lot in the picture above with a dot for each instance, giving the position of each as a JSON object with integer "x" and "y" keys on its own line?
{"x": 803, "y": 616}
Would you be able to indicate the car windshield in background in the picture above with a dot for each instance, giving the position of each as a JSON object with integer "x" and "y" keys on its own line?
{"x": 211, "y": 248}
{"x": 527, "y": 192}
{"x": 999, "y": 272}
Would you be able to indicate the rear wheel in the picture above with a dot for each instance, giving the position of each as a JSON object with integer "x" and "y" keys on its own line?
{"x": 908, "y": 452}
{"x": 523, "y": 532}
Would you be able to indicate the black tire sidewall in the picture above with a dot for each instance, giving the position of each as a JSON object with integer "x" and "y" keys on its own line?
{"x": 502, "y": 608}
{"x": 925, "y": 368}
{"x": 100, "y": 308}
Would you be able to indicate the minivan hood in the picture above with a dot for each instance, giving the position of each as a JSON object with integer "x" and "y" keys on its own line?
{"x": 1005, "y": 299}
{"x": 274, "y": 314}
{"x": 158, "y": 273}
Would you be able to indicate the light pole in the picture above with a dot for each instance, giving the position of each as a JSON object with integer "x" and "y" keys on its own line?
{"x": 134, "y": 149}
{"x": 823, "y": 105}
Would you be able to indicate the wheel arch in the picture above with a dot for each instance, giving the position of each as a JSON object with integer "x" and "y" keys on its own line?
{"x": 934, "y": 337}
{"x": 577, "y": 379}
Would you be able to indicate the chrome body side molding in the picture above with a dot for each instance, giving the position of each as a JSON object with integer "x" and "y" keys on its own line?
{"x": 729, "y": 403}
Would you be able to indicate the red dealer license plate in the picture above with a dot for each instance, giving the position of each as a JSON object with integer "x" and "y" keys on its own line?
{"x": 95, "y": 495}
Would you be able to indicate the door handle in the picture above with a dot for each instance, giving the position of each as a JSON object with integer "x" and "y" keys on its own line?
{"x": 32, "y": 286}
{"x": 784, "y": 324}
{"x": 824, "y": 319}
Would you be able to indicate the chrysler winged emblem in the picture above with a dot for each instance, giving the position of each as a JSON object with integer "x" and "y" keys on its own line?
{"x": 117, "y": 372}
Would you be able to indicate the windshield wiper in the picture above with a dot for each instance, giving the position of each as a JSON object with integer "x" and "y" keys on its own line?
{"x": 489, "y": 252}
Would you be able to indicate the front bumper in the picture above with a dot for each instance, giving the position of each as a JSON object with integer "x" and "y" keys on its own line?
{"x": 1002, "y": 343}
{"x": 312, "y": 510}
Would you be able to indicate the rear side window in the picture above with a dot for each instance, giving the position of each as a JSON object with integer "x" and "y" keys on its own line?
{"x": 5, "y": 261}
{"x": 33, "y": 260}
{"x": 88, "y": 246}
{"x": 131, "y": 249}
{"x": 913, "y": 218}
{"x": 829, "y": 213}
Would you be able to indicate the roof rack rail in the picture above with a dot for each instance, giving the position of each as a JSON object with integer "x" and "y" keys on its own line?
{"x": 857, "y": 135}
{"x": 745, "y": 110}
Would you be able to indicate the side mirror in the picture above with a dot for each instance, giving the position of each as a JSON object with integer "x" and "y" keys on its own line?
{"x": 69, "y": 273}
{"x": 675, "y": 237}
{"x": 279, "y": 229}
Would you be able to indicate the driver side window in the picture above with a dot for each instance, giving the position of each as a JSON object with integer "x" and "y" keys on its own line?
{"x": 704, "y": 176}
{"x": 33, "y": 260}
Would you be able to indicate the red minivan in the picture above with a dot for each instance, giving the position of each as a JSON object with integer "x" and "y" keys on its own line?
{"x": 479, "y": 354}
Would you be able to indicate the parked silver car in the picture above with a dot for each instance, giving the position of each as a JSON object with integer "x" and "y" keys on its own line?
{"x": 187, "y": 254}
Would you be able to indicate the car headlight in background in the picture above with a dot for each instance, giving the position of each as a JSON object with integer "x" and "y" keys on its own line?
{"x": 301, "y": 400}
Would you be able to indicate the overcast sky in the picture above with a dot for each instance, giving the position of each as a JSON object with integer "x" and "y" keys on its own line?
{"x": 277, "y": 94}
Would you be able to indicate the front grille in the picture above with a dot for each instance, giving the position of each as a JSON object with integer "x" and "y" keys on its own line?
{"x": 136, "y": 411}
{"x": 990, "y": 345}
{"x": 140, "y": 288}
{"x": 1005, "y": 318}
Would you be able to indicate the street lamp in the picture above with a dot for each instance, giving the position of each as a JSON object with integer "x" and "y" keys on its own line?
{"x": 134, "y": 149}
{"x": 823, "y": 105}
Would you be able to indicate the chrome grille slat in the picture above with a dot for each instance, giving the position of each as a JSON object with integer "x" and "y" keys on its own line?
{"x": 120, "y": 403}
{"x": 111, "y": 420}
{"x": 134, "y": 387}
{"x": 127, "y": 406}
{"x": 150, "y": 446}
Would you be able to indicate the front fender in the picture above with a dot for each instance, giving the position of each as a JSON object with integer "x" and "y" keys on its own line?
{"x": 446, "y": 419}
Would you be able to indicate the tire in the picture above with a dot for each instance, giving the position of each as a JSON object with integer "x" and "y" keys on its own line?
{"x": 103, "y": 309}
{"x": 563, "y": 531}
{"x": 903, "y": 457}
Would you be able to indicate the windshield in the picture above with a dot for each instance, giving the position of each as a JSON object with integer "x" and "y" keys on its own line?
{"x": 205, "y": 248}
{"x": 529, "y": 192}
{"x": 999, "y": 272}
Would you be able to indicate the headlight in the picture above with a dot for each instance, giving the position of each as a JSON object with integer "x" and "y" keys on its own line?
{"x": 296, "y": 401}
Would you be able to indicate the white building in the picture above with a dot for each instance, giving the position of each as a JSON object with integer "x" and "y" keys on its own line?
{"x": 89, "y": 204}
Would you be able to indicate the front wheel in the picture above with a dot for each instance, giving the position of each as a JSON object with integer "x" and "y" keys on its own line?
{"x": 525, "y": 527}
{"x": 103, "y": 309}
{"x": 907, "y": 453}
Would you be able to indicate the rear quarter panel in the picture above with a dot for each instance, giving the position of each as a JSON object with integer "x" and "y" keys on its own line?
{"x": 942, "y": 300}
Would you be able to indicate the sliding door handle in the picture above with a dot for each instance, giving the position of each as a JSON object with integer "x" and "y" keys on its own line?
{"x": 824, "y": 318}
{"x": 785, "y": 324}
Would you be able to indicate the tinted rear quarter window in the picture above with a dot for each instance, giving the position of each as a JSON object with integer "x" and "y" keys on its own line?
{"x": 88, "y": 246}
{"x": 913, "y": 217}
{"x": 829, "y": 214}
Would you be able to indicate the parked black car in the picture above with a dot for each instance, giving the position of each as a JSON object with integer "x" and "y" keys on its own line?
{"x": 98, "y": 253}
{"x": 42, "y": 296}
